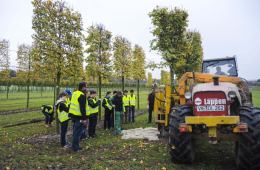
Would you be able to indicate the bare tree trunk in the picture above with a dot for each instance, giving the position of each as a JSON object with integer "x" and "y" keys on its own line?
{"x": 123, "y": 83}
{"x": 138, "y": 106}
{"x": 28, "y": 86}
{"x": 99, "y": 109}
{"x": 57, "y": 97}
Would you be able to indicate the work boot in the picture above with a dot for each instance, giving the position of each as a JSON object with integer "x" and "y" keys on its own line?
{"x": 46, "y": 125}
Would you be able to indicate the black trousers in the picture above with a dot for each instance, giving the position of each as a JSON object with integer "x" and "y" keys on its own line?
{"x": 107, "y": 122}
{"x": 92, "y": 125}
{"x": 150, "y": 113}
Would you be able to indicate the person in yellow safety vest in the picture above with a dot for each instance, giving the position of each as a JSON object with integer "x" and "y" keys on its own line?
{"x": 63, "y": 111}
{"x": 126, "y": 101}
{"x": 93, "y": 106}
{"x": 83, "y": 134}
{"x": 132, "y": 99}
{"x": 78, "y": 112}
{"x": 68, "y": 98}
{"x": 48, "y": 111}
{"x": 107, "y": 104}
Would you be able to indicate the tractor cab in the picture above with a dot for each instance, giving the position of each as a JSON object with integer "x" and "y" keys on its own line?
{"x": 221, "y": 66}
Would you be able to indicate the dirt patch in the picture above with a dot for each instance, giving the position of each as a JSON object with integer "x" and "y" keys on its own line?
{"x": 19, "y": 111}
{"x": 25, "y": 123}
{"x": 53, "y": 137}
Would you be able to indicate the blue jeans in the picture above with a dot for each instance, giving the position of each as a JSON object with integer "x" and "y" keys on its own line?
{"x": 64, "y": 128}
{"x": 131, "y": 110}
{"x": 77, "y": 130}
{"x": 48, "y": 117}
{"x": 83, "y": 134}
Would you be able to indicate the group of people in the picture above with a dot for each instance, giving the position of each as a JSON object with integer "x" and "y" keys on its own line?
{"x": 82, "y": 108}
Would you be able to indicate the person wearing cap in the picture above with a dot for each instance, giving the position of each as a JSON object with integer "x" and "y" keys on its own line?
{"x": 62, "y": 109}
{"x": 68, "y": 98}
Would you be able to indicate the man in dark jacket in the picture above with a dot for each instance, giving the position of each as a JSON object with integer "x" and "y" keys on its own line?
{"x": 93, "y": 106}
{"x": 78, "y": 112}
{"x": 150, "y": 102}
{"x": 117, "y": 100}
{"x": 107, "y": 104}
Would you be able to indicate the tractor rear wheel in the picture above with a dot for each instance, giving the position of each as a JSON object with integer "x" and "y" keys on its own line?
{"x": 182, "y": 146}
{"x": 248, "y": 147}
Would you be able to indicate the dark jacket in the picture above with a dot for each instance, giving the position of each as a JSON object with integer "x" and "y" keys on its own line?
{"x": 151, "y": 98}
{"x": 118, "y": 102}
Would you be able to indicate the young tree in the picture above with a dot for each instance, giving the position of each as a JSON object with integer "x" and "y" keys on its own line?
{"x": 98, "y": 60}
{"x": 138, "y": 66}
{"x": 5, "y": 63}
{"x": 122, "y": 60}
{"x": 150, "y": 80}
{"x": 192, "y": 59}
{"x": 169, "y": 32}
{"x": 24, "y": 61}
{"x": 57, "y": 40}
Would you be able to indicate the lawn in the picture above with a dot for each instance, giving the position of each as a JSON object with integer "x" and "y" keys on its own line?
{"x": 21, "y": 148}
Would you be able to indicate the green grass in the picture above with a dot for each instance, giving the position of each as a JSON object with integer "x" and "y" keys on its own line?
{"x": 23, "y": 95}
{"x": 20, "y": 150}
{"x": 19, "y": 100}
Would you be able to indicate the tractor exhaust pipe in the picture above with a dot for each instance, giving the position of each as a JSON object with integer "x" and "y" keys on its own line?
{"x": 216, "y": 82}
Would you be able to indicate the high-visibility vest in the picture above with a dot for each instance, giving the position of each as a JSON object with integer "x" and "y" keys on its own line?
{"x": 95, "y": 109}
{"x": 62, "y": 116}
{"x": 87, "y": 108}
{"x": 132, "y": 100}
{"x": 107, "y": 104}
{"x": 68, "y": 100}
{"x": 46, "y": 110}
{"x": 126, "y": 100}
{"x": 74, "y": 105}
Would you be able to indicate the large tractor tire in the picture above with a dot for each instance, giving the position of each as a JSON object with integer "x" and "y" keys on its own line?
{"x": 182, "y": 146}
{"x": 248, "y": 147}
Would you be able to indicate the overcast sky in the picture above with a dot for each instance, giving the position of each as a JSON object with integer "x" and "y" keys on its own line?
{"x": 228, "y": 27}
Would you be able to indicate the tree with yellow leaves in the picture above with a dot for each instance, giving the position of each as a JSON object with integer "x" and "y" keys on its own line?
{"x": 122, "y": 59}
{"x": 24, "y": 61}
{"x": 150, "y": 80}
{"x": 98, "y": 60}
{"x": 169, "y": 34}
{"x": 192, "y": 58}
{"x": 138, "y": 66}
{"x": 57, "y": 40}
{"x": 5, "y": 63}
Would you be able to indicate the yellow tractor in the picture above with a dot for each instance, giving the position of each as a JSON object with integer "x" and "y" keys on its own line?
{"x": 215, "y": 105}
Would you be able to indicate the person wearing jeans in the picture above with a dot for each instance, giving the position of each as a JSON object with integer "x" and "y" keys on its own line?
{"x": 78, "y": 113}
{"x": 132, "y": 99}
{"x": 48, "y": 111}
{"x": 85, "y": 128}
